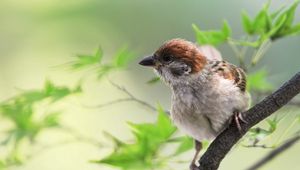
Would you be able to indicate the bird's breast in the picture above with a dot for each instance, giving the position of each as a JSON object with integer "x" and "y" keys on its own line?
{"x": 203, "y": 112}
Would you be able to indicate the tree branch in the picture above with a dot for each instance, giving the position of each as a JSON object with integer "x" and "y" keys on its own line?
{"x": 230, "y": 136}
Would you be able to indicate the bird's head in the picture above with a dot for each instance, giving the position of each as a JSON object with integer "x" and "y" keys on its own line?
{"x": 176, "y": 60}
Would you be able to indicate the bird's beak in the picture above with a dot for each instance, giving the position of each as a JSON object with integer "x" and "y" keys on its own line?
{"x": 148, "y": 61}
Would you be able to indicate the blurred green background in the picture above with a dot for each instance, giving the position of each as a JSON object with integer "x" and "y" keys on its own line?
{"x": 37, "y": 36}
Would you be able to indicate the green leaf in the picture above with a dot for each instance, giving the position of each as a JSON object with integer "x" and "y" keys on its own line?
{"x": 141, "y": 154}
{"x": 52, "y": 119}
{"x": 20, "y": 110}
{"x": 117, "y": 142}
{"x": 258, "y": 81}
{"x": 84, "y": 61}
{"x": 270, "y": 25}
{"x": 257, "y": 134}
{"x": 165, "y": 123}
{"x": 212, "y": 37}
{"x": 247, "y": 23}
{"x": 98, "y": 55}
{"x": 290, "y": 15}
{"x": 56, "y": 93}
{"x": 277, "y": 12}
{"x": 276, "y": 28}
{"x": 186, "y": 144}
{"x": 123, "y": 57}
{"x": 226, "y": 30}
{"x": 205, "y": 144}
{"x": 293, "y": 31}
{"x": 200, "y": 36}
{"x": 262, "y": 22}
{"x": 119, "y": 61}
{"x": 273, "y": 124}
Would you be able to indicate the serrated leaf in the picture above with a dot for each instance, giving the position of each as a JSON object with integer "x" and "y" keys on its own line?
{"x": 258, "y": 81}
{"x": 115, "y": 140}
{"x": 277, "y": 12}
{"x": 212, "y": 37}
{"x": 293, "y": 31}
{"x": 276, "y": 28}
{"x": 258, "y": 134}
{"x": 165, "y": 123}
{"x": 200, "y": 36}
{"x": 205, "y": 144}
{"x": 290, "y": 15}
{"x": 247, "y": 23}
{"x": 185, "y": 144}
{"x": 149, "y": 138}
{"x": 272, "y": 124}
{"x": 226, "y": 30}
{"x": 52, "y": 119}
{"x": 20, "y": 110}
{"x": 123, "y": 57}
{"x": 56, "y": 93}
{"x": 261, "y": 23}
{"x": 98, "y": 55}
{"x": 84, "y": 61}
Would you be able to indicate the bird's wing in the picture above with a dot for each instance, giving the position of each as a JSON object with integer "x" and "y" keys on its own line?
{"x": 231, "y": 72}
{"x": 210, "y": 52}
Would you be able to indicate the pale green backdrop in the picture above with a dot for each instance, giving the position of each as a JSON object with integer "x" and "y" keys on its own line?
{"x": 38, "y": 35}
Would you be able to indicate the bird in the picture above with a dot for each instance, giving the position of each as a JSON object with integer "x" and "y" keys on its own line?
{"x": 207, "y": 91}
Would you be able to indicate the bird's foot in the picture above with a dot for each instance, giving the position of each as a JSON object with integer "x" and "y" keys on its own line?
{"x": 193, "y": 166}
{"x": 198, "y": 147}
{"x": 237, "y": 118}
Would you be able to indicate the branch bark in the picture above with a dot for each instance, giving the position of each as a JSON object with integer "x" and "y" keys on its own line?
{"x": 219, "y": 148}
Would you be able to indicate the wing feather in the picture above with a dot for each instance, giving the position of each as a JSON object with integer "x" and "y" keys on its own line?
{"x": 231, "y": 72}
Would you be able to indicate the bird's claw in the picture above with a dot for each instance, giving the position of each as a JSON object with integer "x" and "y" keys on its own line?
{"x": 193, "y": 167}
{"x": 237, "y": 117}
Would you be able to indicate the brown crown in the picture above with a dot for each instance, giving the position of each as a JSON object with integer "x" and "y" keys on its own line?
{"x": 183, "y": 50}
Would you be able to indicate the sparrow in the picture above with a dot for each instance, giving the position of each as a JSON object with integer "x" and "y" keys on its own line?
{"x": 207, "y": 92}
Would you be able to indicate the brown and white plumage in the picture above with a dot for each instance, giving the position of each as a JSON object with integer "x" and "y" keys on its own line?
{"x": 231, "y": 72}
{"x": 206, "y": 91}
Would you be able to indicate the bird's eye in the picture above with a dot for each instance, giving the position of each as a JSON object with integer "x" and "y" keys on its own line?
{"x": 167, "y": 58}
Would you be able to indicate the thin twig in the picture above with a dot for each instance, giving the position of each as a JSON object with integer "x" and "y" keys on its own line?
{"x": 240, "y": 54}
{"x": 130, "y": 97}
{"x": 111, "y": 103}
{"x": 219, "y": 148}
{"x": 275, "y": 153}
{"x": 262, "y": 49}
{"x": 81, "y": 138}
{"x": 44, "y": 148}
{"x": 258, "y": 146}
